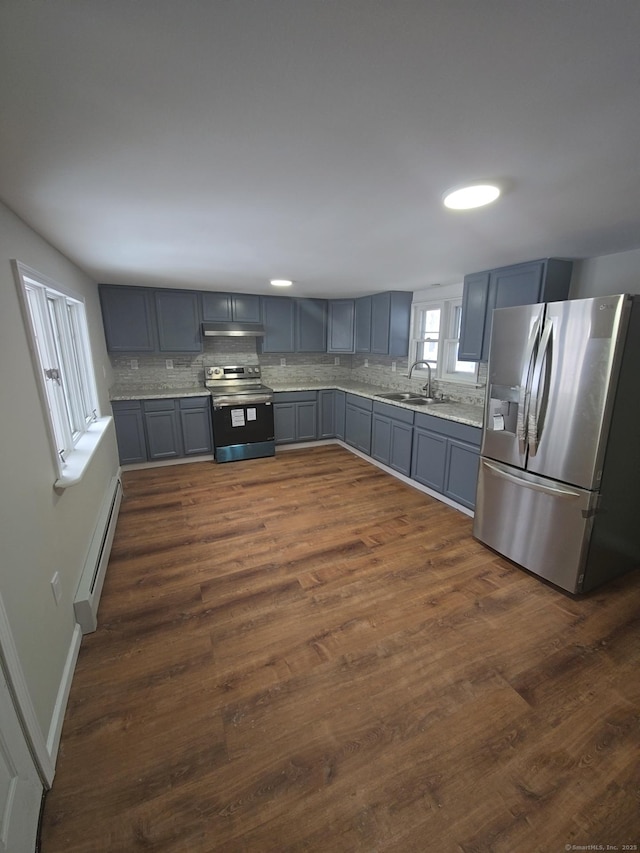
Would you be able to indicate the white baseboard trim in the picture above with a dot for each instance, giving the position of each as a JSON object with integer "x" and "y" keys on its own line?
{"x": 57, "y": 719}
{"x": 161, "y": 463}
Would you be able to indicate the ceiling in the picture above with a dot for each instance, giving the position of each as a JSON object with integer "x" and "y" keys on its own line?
{"x": 214, "y": 144}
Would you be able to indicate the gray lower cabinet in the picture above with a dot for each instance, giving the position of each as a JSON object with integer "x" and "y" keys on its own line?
{"x": 162, "y": 424}
{"x": 326, "y": 413}
{"x": 162, "y": 429}
{"x": 295, "y": 415}
{"x": 358, "y": 416}
{"x": 129, "y": 424}
{"x": 195, "y": 423}
{"x": 392, "y": 436}
{"x": 445, "y": 457}
{"x": 340, "y": 413}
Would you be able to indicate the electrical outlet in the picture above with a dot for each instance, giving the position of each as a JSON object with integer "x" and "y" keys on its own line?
{"x": 366, "y": 362}
{"x": 56, "y": 587}
{"x": 283, "y": 362}
{"x": 168, "y": 363}
{"x": 336, "y": 360}
{"x": 133, "y": 364}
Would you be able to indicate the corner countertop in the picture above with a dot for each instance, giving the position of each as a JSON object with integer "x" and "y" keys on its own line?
{"x": 463, "y": 413}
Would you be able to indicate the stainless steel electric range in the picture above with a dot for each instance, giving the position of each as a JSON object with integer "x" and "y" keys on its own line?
{"x": 242, "y": 412}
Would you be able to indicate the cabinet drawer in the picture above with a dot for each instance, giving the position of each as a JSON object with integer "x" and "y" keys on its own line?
{"x": 126, "y": 406}
{"x": 360, "y": 402}
{"x": 194, "y": 402}
{"x": 395, "y": 412}
{"x": 167, "y": 405}
{"x": 450, "y": 429}
{"x": 294, "y": 396}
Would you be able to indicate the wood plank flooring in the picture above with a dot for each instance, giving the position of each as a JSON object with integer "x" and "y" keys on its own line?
{"x": 302, "y": 653}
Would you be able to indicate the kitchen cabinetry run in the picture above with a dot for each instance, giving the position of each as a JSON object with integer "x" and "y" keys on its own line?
{"x": 230, "y": 307}
{"x": 545, "y": 280}
{"x": 162, "y": 429}
{"x": 445, "y": 457}
{"x": 392, "y": 436}
{"x": 295, "y": 415}
{"x": 128, "y": 318}
{"x": 358, "y": 415}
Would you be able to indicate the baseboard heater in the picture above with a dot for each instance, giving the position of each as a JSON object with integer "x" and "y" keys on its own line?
{"x": 95, "y": 568}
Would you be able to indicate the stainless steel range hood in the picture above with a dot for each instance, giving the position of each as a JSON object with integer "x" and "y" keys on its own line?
{"x": 233, "y": 330}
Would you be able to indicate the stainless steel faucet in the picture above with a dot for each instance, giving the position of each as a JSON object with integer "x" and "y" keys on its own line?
{"x": 427, "y": 387}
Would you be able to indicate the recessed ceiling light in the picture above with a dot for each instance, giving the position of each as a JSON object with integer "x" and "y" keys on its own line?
{"x": 280, "y": 282}
{"x": 474, "y": 195}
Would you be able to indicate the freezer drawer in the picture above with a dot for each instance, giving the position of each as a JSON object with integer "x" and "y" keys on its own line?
{"x": 538, "y": 523}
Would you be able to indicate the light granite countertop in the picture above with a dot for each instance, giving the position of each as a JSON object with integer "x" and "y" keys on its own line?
{"x": 463, "y": 413}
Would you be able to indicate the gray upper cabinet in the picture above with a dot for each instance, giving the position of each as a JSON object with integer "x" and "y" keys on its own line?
{"x": 230, "y": 307}
{"x": 363, "y": 324}
{"x": 340, "y": 322}
{"x": 390, "y": 321}
{"x": 311, "y": 325}
{"x": 545, "y": 280}
{"x": 127, "y": 316}
{"x": 178, "y": 317}
{"x": 278, "y": 316}
{"x": 474, "y": 311}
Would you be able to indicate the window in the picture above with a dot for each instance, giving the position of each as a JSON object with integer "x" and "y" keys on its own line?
{"x": 436, "y": 337}
{"x": 62, "y": 360}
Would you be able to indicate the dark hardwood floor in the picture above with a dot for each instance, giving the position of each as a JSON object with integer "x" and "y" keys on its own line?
{"x": 302, "y": 653}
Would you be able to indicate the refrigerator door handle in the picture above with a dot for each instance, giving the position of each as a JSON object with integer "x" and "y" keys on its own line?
{"x": 533, "y": 431}
{"x": 556, "y": 491}
{"x": 525, "y": 387}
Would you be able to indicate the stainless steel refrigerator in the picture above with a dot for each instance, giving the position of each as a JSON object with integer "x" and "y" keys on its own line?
{"x": 559, "y": 477}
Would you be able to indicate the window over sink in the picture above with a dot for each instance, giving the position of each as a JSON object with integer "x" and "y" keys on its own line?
{"x": 435, "y": 337}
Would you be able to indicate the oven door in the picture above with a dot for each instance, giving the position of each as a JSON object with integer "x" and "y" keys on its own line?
{"x": 242, "y": 430}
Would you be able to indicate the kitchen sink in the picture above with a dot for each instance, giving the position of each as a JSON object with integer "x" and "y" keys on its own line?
{"x": 407, "y": 397}
{"x": 399, "y": 396}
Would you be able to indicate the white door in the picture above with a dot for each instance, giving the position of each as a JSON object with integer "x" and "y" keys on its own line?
{"x": 20, "y": 785}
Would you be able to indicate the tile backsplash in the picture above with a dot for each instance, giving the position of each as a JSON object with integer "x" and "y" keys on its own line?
{"x": 188, "y": 370}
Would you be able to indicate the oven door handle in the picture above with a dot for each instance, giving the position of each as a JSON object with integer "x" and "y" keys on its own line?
{"x": 238, "y": 403}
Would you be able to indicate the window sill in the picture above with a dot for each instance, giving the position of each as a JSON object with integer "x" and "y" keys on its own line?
{"x": 78, "y": 460}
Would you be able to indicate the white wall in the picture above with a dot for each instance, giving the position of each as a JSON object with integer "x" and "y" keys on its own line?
{"x": 40, "y": 531}
{"x": 606, "y": 274}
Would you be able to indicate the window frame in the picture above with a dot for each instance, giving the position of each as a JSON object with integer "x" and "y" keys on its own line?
{"x": 58, "y": 337}
{"x": 448, "y": 341}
